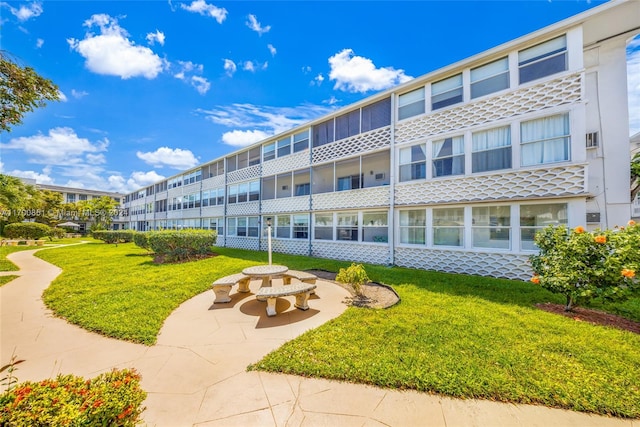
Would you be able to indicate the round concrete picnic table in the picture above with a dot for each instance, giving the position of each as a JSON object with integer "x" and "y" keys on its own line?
{"x": 265, "y": 272}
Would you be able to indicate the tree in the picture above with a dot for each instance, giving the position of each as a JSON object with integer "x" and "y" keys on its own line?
{"x": 17, "y": 200}
{"x": 21, "y": 91}
{"x": 50, "y": 208}
{"x": 101, "y": 210}
{"x": 635, "y": 176}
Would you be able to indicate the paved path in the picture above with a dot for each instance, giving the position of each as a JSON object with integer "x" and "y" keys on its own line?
{"x": 195, "y": 375}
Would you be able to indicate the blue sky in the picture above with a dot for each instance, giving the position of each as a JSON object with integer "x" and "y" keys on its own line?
{"x": 151, "y": 88}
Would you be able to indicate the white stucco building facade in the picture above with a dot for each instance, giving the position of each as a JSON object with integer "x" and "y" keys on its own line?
{"x": 453, "y": 171}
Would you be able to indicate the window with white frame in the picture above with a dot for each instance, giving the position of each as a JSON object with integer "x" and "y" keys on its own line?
{"x": 301, "y": 141}
{"x": 233, "y": 194}
{"x": 489, "y": 78}
{"x": 491, "y": 227}
{"x": 253, "y": 226}
{"x": 446, "y": 92}
{"x": 413, "y": 163}
{"x": 375, "y": 227}
{"x": 243, "y": 190}
{"x": 241, "y": 230}
{"x": 216, "y": 224}
{"x": 301, "y": 226}
{"x": 543, "y": 59}
{"x": 269, "y": 151}
{"x": 448, "y": 227}
{"x": 534, "y": 218}
{"x": 545, "y": 140}
{"x": 283, "y": 226}
{"x": 254, "y": 191}
{"x": 448, "y": 156}
{"x": 323, "y": 226}
{"x": 347, "y": 226}
{"x": 232, "y": 226}
{"x": 284, "y": 146}
{"x": 411, "y": 104}
{"x": 413, "y": 226}
{"x": 491, "y": 149}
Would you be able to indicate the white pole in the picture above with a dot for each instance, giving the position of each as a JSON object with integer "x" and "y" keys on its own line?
{"x": 269, "y": 241}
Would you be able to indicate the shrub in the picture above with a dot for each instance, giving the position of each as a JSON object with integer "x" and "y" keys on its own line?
{"x": 141, "y": 239}
{"x": 169, "y": 245}
{"x": 585, "y": 265}
{"x": 114, "y": 236}
{"x": 56, "y": 233}
{"x": 112, "y": 398}
{"x": 354, "y": 275}
{"x": 26, "y": 230}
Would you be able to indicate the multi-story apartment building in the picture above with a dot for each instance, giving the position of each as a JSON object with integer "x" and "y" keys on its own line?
{"x": 453, "y": 171}
{"x": 74, "y": 195}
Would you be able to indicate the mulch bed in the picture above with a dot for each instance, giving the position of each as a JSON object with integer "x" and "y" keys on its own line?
{"x": 595, "y": 317}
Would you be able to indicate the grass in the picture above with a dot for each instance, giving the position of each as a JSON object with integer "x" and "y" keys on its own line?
{"x": 6, "y": 279}
{"x": 5, "y": 264}
{"x": 458, "y": 335}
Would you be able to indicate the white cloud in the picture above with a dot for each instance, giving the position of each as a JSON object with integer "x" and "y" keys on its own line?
{"x": 358, "y": 74}
{"x": 317, "y": 80}
{"x": 158, "y": 37}
{"x": 248, "y": 66}
{"x": 242, "y": 138}
{"x": 112, "y": 53}
{"x": 254, "y": 122}
{"x": 39, "y": 43}
{"x": 306, "y": 69}
{"x": 96, "y": 159}
{"x": 633, "y": 85}
{"x": 204, "y": 9}
{"x": 230, "y": 67}
{"x": 185, "y": 73}
{"x": 256, "y": 26}
{"x": 201, "y": 84}
{"x": 142, "y": 179}
{"x": 78, "y": 93}
{"x": 272, "y": 49}
{"x": 164, "y": 156}
{"x": 41, "y": 178}
{"x": 61, "y": 146}
{"x": 25, "y": 12}
{"x": 62, "y": 96}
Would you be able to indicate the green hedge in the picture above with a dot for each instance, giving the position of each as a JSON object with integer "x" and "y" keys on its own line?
{"x": 114, "y": 236}
{"x": 110, "y": 399}
{"x": 141, "y": 239}
{"x": 26, "y": 230}
{"x": 169, "y": 245}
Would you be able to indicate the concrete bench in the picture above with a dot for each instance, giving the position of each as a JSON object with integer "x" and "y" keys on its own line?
{"x": 302, "y": 276}
{"x": 222, "y": 286}
{"x": 300, "y": 290}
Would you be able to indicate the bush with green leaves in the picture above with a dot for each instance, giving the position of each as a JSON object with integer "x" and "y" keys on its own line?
{"x": 113, "y": 398}
{"x": 171, "y": 246}
{"x": 141, "y": 239}
{"x": 56, "y": 233}
{"x": 26, "y": 230}
{"x": 114, "y": 236}
{"x": 354, "y": 275}
{"x": 584, "y": 265}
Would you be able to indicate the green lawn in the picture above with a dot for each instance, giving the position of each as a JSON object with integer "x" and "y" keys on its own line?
{"x": 5, "y": 264}
{"x": 6, "y": 279}
{"x": 457, "y": 335}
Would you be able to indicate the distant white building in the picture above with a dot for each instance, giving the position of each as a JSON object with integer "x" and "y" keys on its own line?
{"x": 453, "y": 171}
{"x": 73, "y": 195}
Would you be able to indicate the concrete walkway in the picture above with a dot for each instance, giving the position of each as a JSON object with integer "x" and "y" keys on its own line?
{"x": 195, "y": 375}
